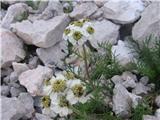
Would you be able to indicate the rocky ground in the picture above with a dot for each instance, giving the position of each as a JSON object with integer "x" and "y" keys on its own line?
{"x": 33, "y": 48}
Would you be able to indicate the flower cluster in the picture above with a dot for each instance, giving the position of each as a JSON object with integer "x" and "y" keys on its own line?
{"x": 61, "y": 92}
{"x": 78, "y": 32}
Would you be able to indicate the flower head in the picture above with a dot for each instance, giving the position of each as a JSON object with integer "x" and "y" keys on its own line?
{"x": 77, "y": 35}
{"x": 46, "y": 101}
{"x": 90, "y": 30}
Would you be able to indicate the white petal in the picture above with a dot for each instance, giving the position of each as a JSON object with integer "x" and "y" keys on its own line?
{"x": 47, "y": 90}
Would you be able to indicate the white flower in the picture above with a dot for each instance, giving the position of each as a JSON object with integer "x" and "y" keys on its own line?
{"x": 55, "y": 84}
{"x": 79, "y": 32}
{"x": 60, "y": 105}
{"x": 45, "y": 103}
{"x": 77, "y": 92}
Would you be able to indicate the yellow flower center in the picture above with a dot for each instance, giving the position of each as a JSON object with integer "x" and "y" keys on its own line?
{"x": 69, "y": 75}
{"x": 77, "y": 35}
{"x": 63, "y": 102}
{"x": 78, "y": 23}
{"x": 59, "y": 85}
{"x": 90, "y": 30}
{"x": 67, "y": 31}
{"x": 86, "y": 20}
{"x": 46, "y": 101}
{"x": 78, "y": 90}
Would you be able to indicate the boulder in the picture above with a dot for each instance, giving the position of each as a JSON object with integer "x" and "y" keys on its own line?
{"x": 13, "y": 12}
{"x": 121, "y": 101}
{"x": 157, "y": 101}
{"x": 41, "y": 33}
{"x": 19, "y": 67}
{"x": 53, "y": 55}
{"x": 83, "y": 10}
{"x": 12, "y": 48}
{"x": 12, "y": 108}
{"x": 148, "y": 24}
{"x": 122, "y": 53}
{"x": 33, "y": 79}
{"x": 105, "y": 31}
{"x": 140, "y": 89}
{"x": 123, "y": 12}
{"x": 27, "y": 100}
{"x": 129, "y": 83}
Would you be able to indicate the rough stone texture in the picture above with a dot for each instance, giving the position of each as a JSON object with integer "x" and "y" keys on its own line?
{"x": 39, "y": 116}
{"x": 83, "y": 10}
{"x": 42, "y": 33}
{"x": 33, "y": 79}
{"x": 121, "y": 101}
{"x": 13, "y": 77}
{"x": 140, "y": 89}
{"x": 16, "y": 91}
{"x": 117, "y": 79}
{"x": 53, "y": 55}
{"x": 13, "y": 11}
{"x": 144, "y": 80}
{"x": 148, "y": 24}
{"x": 27, "y": 100}
{"x": 33, "y": 62}
{"x": 12, "y": 109}
{"x": 122, "y": 53}
{"x": 19, "y": 67}
{"x": 5, "y": 90}
{"x": 157, "y": 101}
{"x": 149, "y": 117}
{"x": 130, "y": 83}
{"x": 97, "y": 14}
{"x": 12, "y": 48}
{"x": 54, "y": 8}
{"x": 103, "y": 34}
{"x": 157, "y": 113}
{"x": 123, "y": 12}
{"x": 128, "y": 75}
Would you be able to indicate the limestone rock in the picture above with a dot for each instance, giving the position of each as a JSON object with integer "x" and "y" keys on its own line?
{"x": 157, "y": 101}
{"x": 42, "y": 117}
{"x": 123, "y": 12}
{"x": 5, "y": 90}
{"x": 19, "y": 67}
{"x": 122, "y": 53}
{"x": 83, "y": 10}
{"x": 121, "y": 101}
{"x": 13, "y": 12}
{"x": 105, "y": 31}
{"x": 149, "y": 117}
{"x": 53, "y": 55}
{"x": 12, "y": 48}
{"x": 41, "y": 33}
{"x": 117, "y": 79}
{"x": 33, "y": 79}
{"x": 12, "y": 109}
{"x": 148, "y": 24}
{"x": 129, "y": 83}
{"x": 140, "y": 89}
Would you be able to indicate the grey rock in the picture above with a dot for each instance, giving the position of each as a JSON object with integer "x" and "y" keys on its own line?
{"x": 2, "y": 14}
{"x": 6, "y": 80}
{"x": 148, "y": 24}
{"x": 135, "y": 99}
{"x": 13, "y": 12}
{"x": 128, "y": 75}
{"x": 27, "y": 100}
{"x": 117, "y": 79}
{"x": 129, "y": 83}
{"x": 103, "y": 34}
{"x": 16, "y": 91}
{"x": 39, "y": 116}
{"x": 5, "y": 90}
{"x": 13, "y": 84}
{"x": 12, "y": 108}
{"x": 122, "y": 53}
{"x": 123, "y": 12}
{"x": 13, "y": 77}
{"x": 83, "y": 10}
{"x": 144, "y": 80}
{"x": 97, "y": 14}
{"x": 6, "y": 71}
{"x": 19, "y": 68}
{"x": 52, "y": 30}
{"x": 149, "y": 117}
{"x": 54, "y": 8}
{"x": 12, "y": 48}
{"x": 33, "y": 62}
{"x": 157, "y": 101}
{"x": 140, "y": 89}
{"x": 53, "y": 55}
{"x": 33, "y": 79}
{"x": 121, "y": 101}
{"x": 157, "y": 113}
